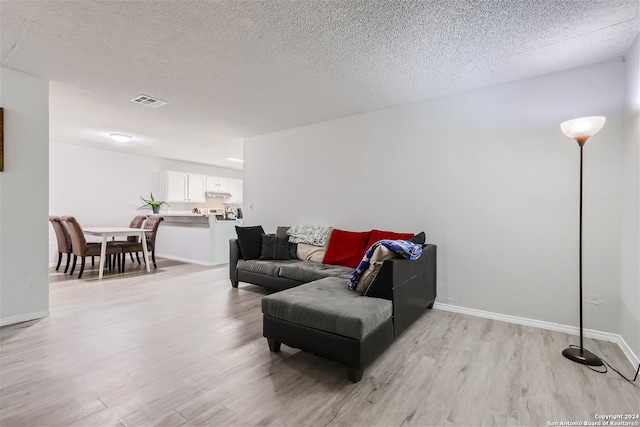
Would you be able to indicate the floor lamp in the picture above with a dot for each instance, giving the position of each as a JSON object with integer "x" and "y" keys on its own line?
{"x": 580, "y": 130}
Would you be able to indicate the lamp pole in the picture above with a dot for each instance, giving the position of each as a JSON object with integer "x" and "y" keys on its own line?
{"x": 580, "y": 246}
{"x": 581, "y": 130}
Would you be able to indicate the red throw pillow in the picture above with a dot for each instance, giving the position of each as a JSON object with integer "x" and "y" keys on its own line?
{"x": 389, "y": 235}
{"x": 346, "y": 247}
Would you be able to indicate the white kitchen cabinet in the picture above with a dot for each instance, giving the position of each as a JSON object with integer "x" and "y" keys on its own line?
{"x": 218, "y": 184}
{"x": 223, "y": 184}
{"x": 235, "y": 188}
{"x": 185, "y": 187}
{"x": 195, "y": 188}
{"x": 211, "y": 184}
{"x": 177, "y": 186}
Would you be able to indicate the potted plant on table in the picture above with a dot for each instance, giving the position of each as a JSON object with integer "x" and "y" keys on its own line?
{"x": 153, "y": 203}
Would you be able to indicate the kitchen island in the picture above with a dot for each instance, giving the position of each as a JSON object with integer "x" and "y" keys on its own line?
{"x": 195, "y": 238}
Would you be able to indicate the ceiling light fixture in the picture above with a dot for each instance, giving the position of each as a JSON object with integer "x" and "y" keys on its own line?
{"x": 120, "y": 137}
{"x": 234, "y": 159}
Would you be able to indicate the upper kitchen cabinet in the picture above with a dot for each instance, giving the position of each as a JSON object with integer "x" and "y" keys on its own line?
{"x": 176, "y": 186}
{"x": 185, "y": 187}
{"x": 235, "y": 188}
{"x": 217, "y": 184}
{"x": 195, "y": 188}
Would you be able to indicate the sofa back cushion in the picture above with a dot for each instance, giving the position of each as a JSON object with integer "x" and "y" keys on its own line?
{"x": 346, "y": 247}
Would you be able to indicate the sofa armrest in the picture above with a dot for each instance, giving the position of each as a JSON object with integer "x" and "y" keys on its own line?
{"x": 411, "y": 285}
{"x": 234, "y": 256}
{"x": 413, "y": 297}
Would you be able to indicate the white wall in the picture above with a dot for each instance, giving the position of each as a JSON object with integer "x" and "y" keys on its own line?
{"x": 630, "y": 256}
{"x": 24, "y": 282}
{"x": 487, "y": 174}
{"x": 102, "y": 187}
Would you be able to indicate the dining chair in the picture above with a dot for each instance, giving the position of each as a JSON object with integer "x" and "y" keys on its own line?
{"x": 151, "y": 223}
{"x": 64, "y": 240}
{"x": 137, "y": 222}
{"x": 83, "y": 249}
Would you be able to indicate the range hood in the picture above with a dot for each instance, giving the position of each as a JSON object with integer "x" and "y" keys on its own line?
{"x": 219, "y": 194}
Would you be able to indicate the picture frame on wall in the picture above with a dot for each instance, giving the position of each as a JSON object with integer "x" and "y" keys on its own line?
{"x": 1, "y": 139}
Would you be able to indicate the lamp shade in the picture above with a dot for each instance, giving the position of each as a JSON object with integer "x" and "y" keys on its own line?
{"x": 582, "y": 128}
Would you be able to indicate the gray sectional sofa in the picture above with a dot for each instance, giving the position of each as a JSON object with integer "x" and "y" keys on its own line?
{"x": 315, "y": 311}
{"x": 279, "y": 274}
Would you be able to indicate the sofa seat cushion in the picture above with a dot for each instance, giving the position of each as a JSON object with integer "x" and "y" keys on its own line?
{"x": 327, "y": 305}
{"x": 270, "y": 268}
{"x": 308, "y": 271}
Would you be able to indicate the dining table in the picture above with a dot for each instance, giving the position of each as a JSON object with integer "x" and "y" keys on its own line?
{"x": 106, "y": 232}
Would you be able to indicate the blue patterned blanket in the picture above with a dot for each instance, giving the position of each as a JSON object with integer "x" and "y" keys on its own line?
{"x": 404, "y": 248}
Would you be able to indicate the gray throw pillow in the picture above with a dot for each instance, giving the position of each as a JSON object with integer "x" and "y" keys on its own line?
{"x": 274, "y": 247}
{"x": 293, "y": 247}
{"x": 419, "y": 239}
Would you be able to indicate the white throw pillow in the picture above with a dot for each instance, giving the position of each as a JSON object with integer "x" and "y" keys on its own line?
{"x": 311, "y": 252}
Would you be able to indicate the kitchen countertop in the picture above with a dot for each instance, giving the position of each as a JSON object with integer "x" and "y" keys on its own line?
{"x": 186, "y": 219}
{"x": 186, "y": 214}
{"x": 193, "y": 218}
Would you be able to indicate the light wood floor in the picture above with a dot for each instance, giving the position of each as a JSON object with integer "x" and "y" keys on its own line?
{"x": 181, "y": 347}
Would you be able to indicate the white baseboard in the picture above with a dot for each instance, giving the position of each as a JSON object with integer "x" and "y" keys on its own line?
{"x": 189, "y": 260}
{"x": 634, "y": 359}
{"x": 23, "y": 317}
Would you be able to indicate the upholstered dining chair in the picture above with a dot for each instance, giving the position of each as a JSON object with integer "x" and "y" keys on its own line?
{"x": 83, "y": 249}
{"x": 137, "y": 222}
{"x": 64, "y": 240}
{"x": 151, "y": 223}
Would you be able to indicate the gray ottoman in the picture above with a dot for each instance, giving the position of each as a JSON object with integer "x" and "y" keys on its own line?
{"x": 325, "y": 318}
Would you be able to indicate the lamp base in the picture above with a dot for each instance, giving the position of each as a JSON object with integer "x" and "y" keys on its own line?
{"x": 580, "y": 355}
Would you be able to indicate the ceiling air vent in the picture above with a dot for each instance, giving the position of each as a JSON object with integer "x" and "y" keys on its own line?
{"x": 149, "y": 101}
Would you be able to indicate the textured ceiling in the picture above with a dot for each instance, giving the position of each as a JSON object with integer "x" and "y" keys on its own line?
{"x": 234, "y": 69}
